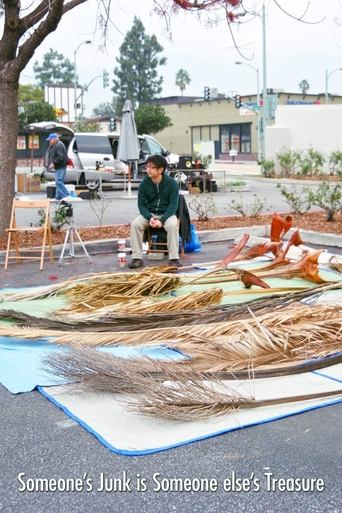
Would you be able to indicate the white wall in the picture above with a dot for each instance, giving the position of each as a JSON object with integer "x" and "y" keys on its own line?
{"x": 301, "y": 127}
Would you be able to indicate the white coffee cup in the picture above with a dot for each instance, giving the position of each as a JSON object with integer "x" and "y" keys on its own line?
{"x": 122, "y": 259}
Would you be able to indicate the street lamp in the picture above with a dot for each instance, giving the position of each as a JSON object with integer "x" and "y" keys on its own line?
{"x": 262, "y": 16}
{"x": 75, "y": 76}
{"x": 327, "y": 75}
{"x": 258, "y": 103}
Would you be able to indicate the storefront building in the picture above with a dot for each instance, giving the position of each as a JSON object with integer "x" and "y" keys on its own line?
{"x": 195, "y": 120}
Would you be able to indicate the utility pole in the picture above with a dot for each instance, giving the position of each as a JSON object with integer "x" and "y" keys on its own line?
{"x": 264, "y": 88}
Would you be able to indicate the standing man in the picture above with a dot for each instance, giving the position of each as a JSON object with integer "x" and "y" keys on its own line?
{"x": 157, "y": 203}
{"x": 56, "y": 159}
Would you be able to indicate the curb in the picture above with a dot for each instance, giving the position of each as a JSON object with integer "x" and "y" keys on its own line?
{"x": 307, "y": 236}
{"x": 206, "y": 236}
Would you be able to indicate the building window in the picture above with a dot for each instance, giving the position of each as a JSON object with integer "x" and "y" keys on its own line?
{"x": 236, "y": 137}
{"x": 245, "y": 131}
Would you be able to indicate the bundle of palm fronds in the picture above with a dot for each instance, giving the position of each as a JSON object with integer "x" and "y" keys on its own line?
{"x": 192, "y": 301}
{"x": 97, "y": 290}
{"x": 296, "y": 333}
{"x": 176, "y": 393}
{"x": 209, "y": 315}
{"x": 101, "y": 292}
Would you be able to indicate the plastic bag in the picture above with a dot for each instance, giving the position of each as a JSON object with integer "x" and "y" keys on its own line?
{"x": 194, "y": 245}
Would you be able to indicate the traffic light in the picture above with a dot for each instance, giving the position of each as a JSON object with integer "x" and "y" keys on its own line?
{"x": 206, "y": 93}
{"x": 237, "y": 101}
{"x": 105, "y": 78}
{"x": 112, "y": 124}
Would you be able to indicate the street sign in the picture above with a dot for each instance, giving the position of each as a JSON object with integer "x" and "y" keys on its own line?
{"x": 246, "y": 112}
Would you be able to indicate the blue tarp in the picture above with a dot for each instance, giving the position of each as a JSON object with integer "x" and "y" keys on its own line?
{"x": 21, "y": 367}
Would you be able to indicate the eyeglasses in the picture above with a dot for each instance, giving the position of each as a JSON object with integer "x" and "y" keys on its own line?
{"x": 151, "y": 167}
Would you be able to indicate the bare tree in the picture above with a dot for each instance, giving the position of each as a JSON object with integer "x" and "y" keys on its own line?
{"x": 26, "y": 26}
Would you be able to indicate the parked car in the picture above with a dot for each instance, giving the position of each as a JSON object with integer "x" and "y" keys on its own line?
{"x": 86, "y": 150}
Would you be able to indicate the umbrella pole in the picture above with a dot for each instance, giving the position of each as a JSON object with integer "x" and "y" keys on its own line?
{"x": 129, "y": 188}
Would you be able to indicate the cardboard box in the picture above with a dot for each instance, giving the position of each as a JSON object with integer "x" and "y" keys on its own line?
{"x": 21, "y": 182}
{"x": 194, "y": 190}
{"x": 28, "y": 183}
{"x": 32, "y": 183}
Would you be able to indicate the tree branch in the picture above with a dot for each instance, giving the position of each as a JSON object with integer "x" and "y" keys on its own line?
{"x": 35, "y": 16}
{"x": 72, "y": 4}
{"x": 56, "y": 11}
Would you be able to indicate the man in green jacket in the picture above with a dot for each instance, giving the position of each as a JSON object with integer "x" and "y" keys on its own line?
{"x": 157, "y": 203}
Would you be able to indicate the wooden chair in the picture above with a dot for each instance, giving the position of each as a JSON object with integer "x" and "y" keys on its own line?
{"x": 160, "y": 245}
{"x": 15, "y": 231}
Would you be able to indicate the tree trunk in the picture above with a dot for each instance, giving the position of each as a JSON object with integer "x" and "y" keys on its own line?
{"x": 8, "y": 145}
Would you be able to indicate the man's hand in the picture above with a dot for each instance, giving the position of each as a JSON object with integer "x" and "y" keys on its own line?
{"x": 155, "y": 223}
{"x": 51, "y": 166}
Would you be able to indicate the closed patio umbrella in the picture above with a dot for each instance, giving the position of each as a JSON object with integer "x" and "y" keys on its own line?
{"x": 128, "y": 149}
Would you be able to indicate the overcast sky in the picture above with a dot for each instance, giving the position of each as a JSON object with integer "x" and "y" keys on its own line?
{"x": 295, "y": 50}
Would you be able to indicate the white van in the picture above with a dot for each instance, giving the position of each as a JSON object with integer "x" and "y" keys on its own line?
{"x": 87, "y": 149}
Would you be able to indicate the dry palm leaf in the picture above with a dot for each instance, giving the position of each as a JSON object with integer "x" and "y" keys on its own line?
{"x": 249, "y": 279}
{"x": 181, "y": 395}
{"x": 100, "y": 293}
{"x": 209, "y": 315}
{"x": 194, "y": 338}
{"x": 279, "y": 227}
{"x": 192, "y": 301}
{"x": 91, "y": 369}
{"x": 149, "y": 281}
{"x": 259, "y": 250}
{"x": 234, "y": 252}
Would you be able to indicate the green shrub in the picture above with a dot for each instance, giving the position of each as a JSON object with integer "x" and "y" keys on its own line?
{"x": 267, "y": 168}
{"x": 328, "y": 197}
{"x": 310, "y": 162}
{"x": 335, "y": 163}
{"x": 298, "y": 202}
{"x": 58, "y": 219}
{"x": 252, "y": 210}
{"x": 237, "y": 183}
{"x": 204, "y": 206}
{"x": 288, "y": 161}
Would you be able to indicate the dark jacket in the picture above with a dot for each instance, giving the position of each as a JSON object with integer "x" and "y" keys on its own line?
{"x": 158, "y": 199}
{"x": 56, "y": 155}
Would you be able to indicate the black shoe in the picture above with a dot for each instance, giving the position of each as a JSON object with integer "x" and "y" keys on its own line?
{"x": 136, "y": 262}
{"x": 175, "y": 262}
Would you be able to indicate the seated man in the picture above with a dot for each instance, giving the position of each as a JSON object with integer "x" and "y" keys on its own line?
{"x": 157, "y": 203}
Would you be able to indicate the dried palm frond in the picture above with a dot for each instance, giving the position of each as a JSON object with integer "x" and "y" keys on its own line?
{"x": 306, "y": 322}
{"x": 149, "y": 281}
{"x": 90, "y": 369}
{"x": 249, "y": 279}
{"x": 192, "y": 301}
{"x": 267, "y": 342}
{"x": 51, "y": 290}
{"x": 102, "y": 292}
{"x": 279, "y": 227}
{"x": 200, "y": 401}
{"x": 181, "y": 395}
{"x": 209, "y": 315}
{"x": 234, "y": 251}
{"x": 259, "y": 250}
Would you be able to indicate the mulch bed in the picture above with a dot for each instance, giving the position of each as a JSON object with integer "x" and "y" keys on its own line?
{"x": 315, "y": 221}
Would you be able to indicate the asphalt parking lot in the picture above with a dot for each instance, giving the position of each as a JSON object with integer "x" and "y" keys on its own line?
{"x": 39, "y": 441}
